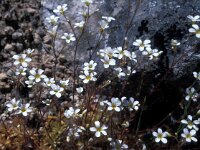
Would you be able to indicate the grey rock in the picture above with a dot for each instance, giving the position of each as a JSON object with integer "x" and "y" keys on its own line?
{"x": 9, "y": 47}
{"x": 17, "y": 35}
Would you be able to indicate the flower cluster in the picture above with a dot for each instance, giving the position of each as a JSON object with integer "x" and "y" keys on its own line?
{"x": 195, "y": 28}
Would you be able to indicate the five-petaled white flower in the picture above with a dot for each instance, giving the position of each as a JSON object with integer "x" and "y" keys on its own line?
{"x": 120, "y": 53}
{"x": 87, "y": 2}
{"x": 21, "y": 60}
{"x": 24, "y": 109}
{"x": 79, "y": 24}
{"x": 21, "y": 71}
{"x": 108, "y": 62}
{"x": 191, "y": 123}
{"x": 36, "y": 75}
{"x": 88, "y": 76}
{"x": 191, "y": 94}
{"x": 68, "y": 37}
{"x": 142, "y": 44}
{"x": 60, "y": 9}
{"x": 196, "y": 75}
{"x": 115, "y": 104}
{"x": 64, "y": 83}
{"x": 89, "y": 66}
{"x": 104, "y": 24}
{"x": 49, "y": 81}
{"x": 52, "y": 19}
{"x": 98, "y": 129}
{"x": 71, "y": 112}
{"x": 189, "y": 135}
{"x": 195, "y": 29}
{"x": 13, "y": 105}
{"x": 56, "y": 90}
{"x": 152, "y": 53}
{"x": 120, "y": 72}
{"x": 132, "y": 104}
{"x": 160, "y": 136}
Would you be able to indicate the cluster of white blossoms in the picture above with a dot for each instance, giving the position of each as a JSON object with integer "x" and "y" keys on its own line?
{"x": 88, "y": 72}
{"x": 195, "y": 28}
{"x": 115, "y": 104}
{"x": 145, "y": 48}
{"x": 16, "y": 107}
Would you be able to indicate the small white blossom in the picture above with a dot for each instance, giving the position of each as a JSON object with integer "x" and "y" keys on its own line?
{"x": 152, "y": 53}
{"x": 189, "y": 135}
{"x": 133, "y": 57}
{"x": 30, "y": 83}
{"x": 191, "y": 123}
{"x": 52, "y": 19}
{"x": 29, "y": 51}
{"x": 79, "y": 89}
{"x": 60, "y": 9}
{"x": 132, "y": 104}
{"x": 118, "y": 145}
{"x": 71, "y": 112}
{"x": 79, "y": 24}
{"x": 160, "y": 136}
{"x": 56, "y": 90}
{"x": 36, "y": 75}
{"x": 115, "y": 104}
{"x": 21, "y": 60}
{"x": 64, "y": 83}
{"x": 88, "y": 76}
{"x": 191, "y": 94}
{"x": 174, "y": 43}
{"x": 194, "y": 18}
{"x": 104, "y": 24}
{"x": 68, "y": 37}
{"x": 87, "y": 2}
{"x": 49, "y": 81}
{"x": 24, "y": 109}
{"x": 108, "y": 62}
{"x": 98, "y": 129}
{"x": 120, "y": 53}
{"x": 196, "y": 75}
{"x": 13, "y": 105}
{"x": 142, "y": 44}
{"x": 53, "y": 31}
{"x": 21, "y": 71}
{"x": 195, "y": 29}
{"x": 120, "y": 72}
{"x": 89, "y": 66}
{"x": 130, "y": 71}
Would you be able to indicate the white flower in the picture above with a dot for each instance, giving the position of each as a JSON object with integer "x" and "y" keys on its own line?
{"x": 53, "y": 31}
{"x": 130, "y": 71}
{"x": 25, "y": 109}
{"x": 64, "y": 83}
{"x": 115, "y": 104}
{"x": 29, "y": 51}
{"x": 71, "y": 112}
{"x": 30, "y": 83}
{"x": 152, "y": 53}
{"x": 87, "y": 2}
{"x": 68, "y": 37}
{"x": 60, "y": 9}
{"x": 88, "y": 76}
{"x": 194, "y": 18}
{"x": 191, "y": 94}
{"x": 196, "y": 75}
{"x": 118, "y": 145}
{"x": 13, "y": 105}
{"x": 131, "y": 104}
{"x": 79, "y": 24}
{"x": 52, "y": 19}
{"x": 79, "y": 90}
{"x": 104, "y": 24}
{"x": 56, "y": 90}
{"x": 190, "y": 123}
{"x": 142, "y": 44}
{"x": 195, "y": 29}
{"x": 98, "y": 129}
{"x": 133, "y": 57}
{"x": 89, "y": 66}
{"x": 108, "y": 62}
{"x": 120, "y": 53}
{"x": 108, "y": 19}
{"x": 36, "y": 75}
{"x": 188, "y": 135}
{"x": 120, "y": 73}
{"x": 174, "y": 43}
{"x": 160, "y": 136}
{"x": 21, "y": 71}
{"x": 108, "y": 51}
{"x": 21, "y": 60}
{"x": 49, "y": 81}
